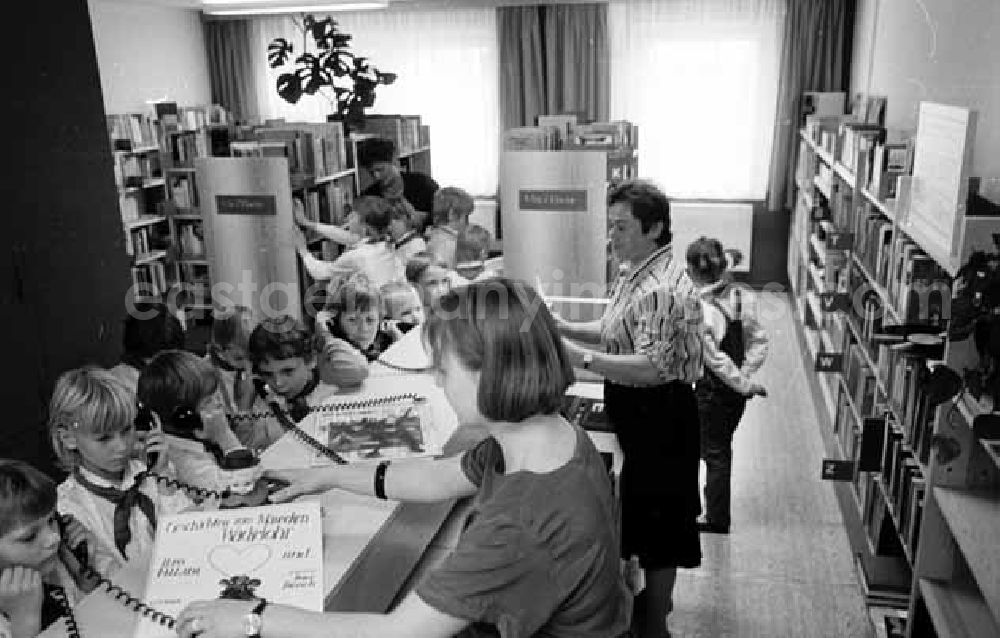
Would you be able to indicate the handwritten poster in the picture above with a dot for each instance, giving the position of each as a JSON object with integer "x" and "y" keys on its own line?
{"x": 386, "y": 428}
{"x": 274, "y": 552}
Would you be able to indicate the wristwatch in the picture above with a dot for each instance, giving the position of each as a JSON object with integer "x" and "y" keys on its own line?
{"x": 588, "y": 359}
{"x": 253, "y": 621}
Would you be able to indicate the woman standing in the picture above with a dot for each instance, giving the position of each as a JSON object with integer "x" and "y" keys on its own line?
{"x": 647, "y": 347}
{"x": 539, "y": 556}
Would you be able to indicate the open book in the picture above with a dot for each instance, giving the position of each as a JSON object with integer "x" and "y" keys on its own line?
{"x": 375, "y": 429}
{"x": 273, "y": 552}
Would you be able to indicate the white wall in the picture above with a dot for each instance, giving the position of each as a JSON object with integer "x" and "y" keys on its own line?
{"x": 944, "y": 51}
{"x": 148, "y": 52}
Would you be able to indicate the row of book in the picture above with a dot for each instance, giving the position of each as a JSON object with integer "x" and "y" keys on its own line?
{"x": 620, "y": 135}
{"x": 145, "y": 240}
{"x": 183, "y": 192}
{"x": 150, "y": 279}
{"x": 328, "y": 204}
{"x": 405, "y": 131}
{"x": 185, "y": 146}
{"x": 129, "y": 131}
{"x": 171, "y": 117}
{"x": 313, "y": 150}
{"x": 132, "y": 171}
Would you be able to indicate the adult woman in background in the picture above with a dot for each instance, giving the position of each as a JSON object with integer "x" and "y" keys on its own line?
{"x": 540, "y": 555}
{"x": 647, "y": 347}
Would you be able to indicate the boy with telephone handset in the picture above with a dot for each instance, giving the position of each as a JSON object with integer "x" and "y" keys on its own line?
{"x": 41, "y": 553}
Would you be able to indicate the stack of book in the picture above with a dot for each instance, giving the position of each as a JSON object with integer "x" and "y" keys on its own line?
{"x": 609, "y": 136}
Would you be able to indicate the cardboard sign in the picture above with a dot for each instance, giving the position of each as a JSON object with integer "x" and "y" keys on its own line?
{"x": 834, "y": 301}
{"x": 561, "y": 200}
{"x": 829, "y": 362}
{"x": 258, "y": 205}
{"x": 837, "y": 470}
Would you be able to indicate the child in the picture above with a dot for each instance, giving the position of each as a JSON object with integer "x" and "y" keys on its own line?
{"x": 284, "y": 356}
{"x": 735, "y": 345}
{"x": 405, "y": 240}
{"x": 471, "y": 251}
{"x": 150, "y": 328}
{"x": 353, "y": 321}
{"x": 431, "y": 277}
{"x": 452, "y": 207}
{"x": 37, "y": 562}
{"x": 373, "y": 257}
{"x": 91, "y": 427}
{"x": 182, "y": 390}
{"x": 402, "y": 305}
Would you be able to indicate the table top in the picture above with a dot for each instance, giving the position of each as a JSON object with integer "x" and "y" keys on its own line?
{"x": 370, "y": 546}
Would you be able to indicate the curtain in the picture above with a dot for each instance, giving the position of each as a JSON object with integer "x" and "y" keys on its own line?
{"x": 815, "y": 56}
{"x": 699, "y": 77}
{"x": 232, "y": 75}
{"x": 446, "y": 61}
{"x": 553, "y": 59}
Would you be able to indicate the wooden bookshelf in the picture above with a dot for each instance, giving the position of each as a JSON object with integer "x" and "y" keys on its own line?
{"x": 944, "y": 510}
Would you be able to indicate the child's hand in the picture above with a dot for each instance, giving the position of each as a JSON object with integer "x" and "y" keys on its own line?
{"x": 73, "y": 535}
{"x": 757, "y": 390}
{"x": 299, "y": 214}
{"x": 21, "y": 598}
{"x": 156, "y": 442}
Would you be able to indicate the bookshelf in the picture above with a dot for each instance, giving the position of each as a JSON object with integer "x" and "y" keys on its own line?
{"x": 873, "y": 287}
{"x": 141, "y": 184}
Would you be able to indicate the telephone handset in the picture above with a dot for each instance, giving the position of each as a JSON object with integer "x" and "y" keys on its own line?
{"x": 82, "y": 555}
{"x": 145, "y": 421}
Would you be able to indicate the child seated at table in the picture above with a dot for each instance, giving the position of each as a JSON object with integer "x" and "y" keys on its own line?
{"x": 452, "y": 207}
{"x": 92, "y": 429}
{"x": 182, "y": 390}
{"x": 228, "y": 352}
{"x": 471, "y": 252}
{"x": 353, "y": 322}
{"x": 39, "y": 571}
{"x": 286, "y": 359}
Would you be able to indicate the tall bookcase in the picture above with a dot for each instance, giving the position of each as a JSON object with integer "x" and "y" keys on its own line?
{"x": 141, "y": 182}
{"x": 923, "y": 503}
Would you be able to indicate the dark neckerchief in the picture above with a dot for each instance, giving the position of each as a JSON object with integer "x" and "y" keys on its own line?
{"x": 220, "y": 363}
{"x": 405, "y": 239}
{"x": 124, "y": 501}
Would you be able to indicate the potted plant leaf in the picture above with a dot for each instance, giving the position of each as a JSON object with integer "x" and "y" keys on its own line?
{"x": 329, "y": 68}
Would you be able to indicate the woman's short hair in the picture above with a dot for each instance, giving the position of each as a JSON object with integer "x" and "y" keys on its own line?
{"x": 281, "y": 337}
{"x": 91, "y": 400}
{"x": 451, "y": 203}
{"x": 26, "y": 495}
{"x": 418, "y": 263}
{"x": 648, "y": 204}
{"x": 501, "y": 328}
{"x": 375, "y": 151}
{"x": 173, "y": 379}
{"x": 356, "y": 294}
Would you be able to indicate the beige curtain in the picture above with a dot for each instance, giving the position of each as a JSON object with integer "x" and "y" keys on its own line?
{"x": 815, "y": 56}
{"x": 231, "y": 70}
{"x": 553, "y": 59}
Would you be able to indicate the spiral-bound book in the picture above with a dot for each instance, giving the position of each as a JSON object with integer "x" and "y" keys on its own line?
{"x": 374, "y": 429}
{"x": 273, "y": 552}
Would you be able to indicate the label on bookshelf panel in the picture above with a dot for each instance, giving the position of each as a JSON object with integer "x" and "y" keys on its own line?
{"x": 258, "y": 205}
{"x": 829, "y": 361}
{"x": 561, "y": 200}
{"x": 840, "y": 241}
{"x": 837, "y": 470}
{"x": 834, "y": 301}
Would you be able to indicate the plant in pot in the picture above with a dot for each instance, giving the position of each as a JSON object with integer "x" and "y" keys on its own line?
{"x": 328, "y": 68}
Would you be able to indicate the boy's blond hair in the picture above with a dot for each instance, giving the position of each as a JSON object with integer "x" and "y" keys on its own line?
{"x": 452, "y": 203}
{"x": 394, "y": 295}
{"x": 91, "y": 400}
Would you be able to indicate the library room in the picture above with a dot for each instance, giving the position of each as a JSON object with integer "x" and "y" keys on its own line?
{"x": 312, "y": 304}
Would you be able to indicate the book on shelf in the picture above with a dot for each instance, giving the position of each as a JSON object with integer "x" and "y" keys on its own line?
{"x": 531, "y": 138}
{"x": 273, "y": 552}
{"x": 182, "y": 190}
{"x": 130, "y": 131}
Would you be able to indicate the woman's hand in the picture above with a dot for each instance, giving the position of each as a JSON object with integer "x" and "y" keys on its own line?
{"x": 21, "y": 598}
{"x": 299, "y": 482}
{"x": 214, "y": 619}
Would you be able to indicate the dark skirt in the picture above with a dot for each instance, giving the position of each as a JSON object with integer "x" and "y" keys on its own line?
{"x": 658, "y": 431}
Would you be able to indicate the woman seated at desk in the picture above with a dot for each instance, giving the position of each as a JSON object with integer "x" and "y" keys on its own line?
{"x": 539, "y": 555}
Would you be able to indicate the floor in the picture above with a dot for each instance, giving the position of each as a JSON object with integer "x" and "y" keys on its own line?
{"x": 786, "y": 567}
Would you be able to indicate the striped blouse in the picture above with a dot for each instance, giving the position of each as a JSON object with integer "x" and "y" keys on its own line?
{"x": 655, "y": 310}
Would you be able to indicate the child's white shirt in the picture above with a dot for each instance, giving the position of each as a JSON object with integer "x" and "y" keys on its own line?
{"x": 97, "y": 515}
{"x": 197, "y": 466}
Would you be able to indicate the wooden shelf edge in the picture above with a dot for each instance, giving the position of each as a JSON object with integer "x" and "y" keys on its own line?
{"x": 973, "y": 516}
{"x": 957, "y": 611}
{"x": 150, "y": 257}
{"x": 144, "y": 220}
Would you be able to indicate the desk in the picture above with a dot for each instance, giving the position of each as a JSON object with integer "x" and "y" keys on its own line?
{"x": 370, "y": 547}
